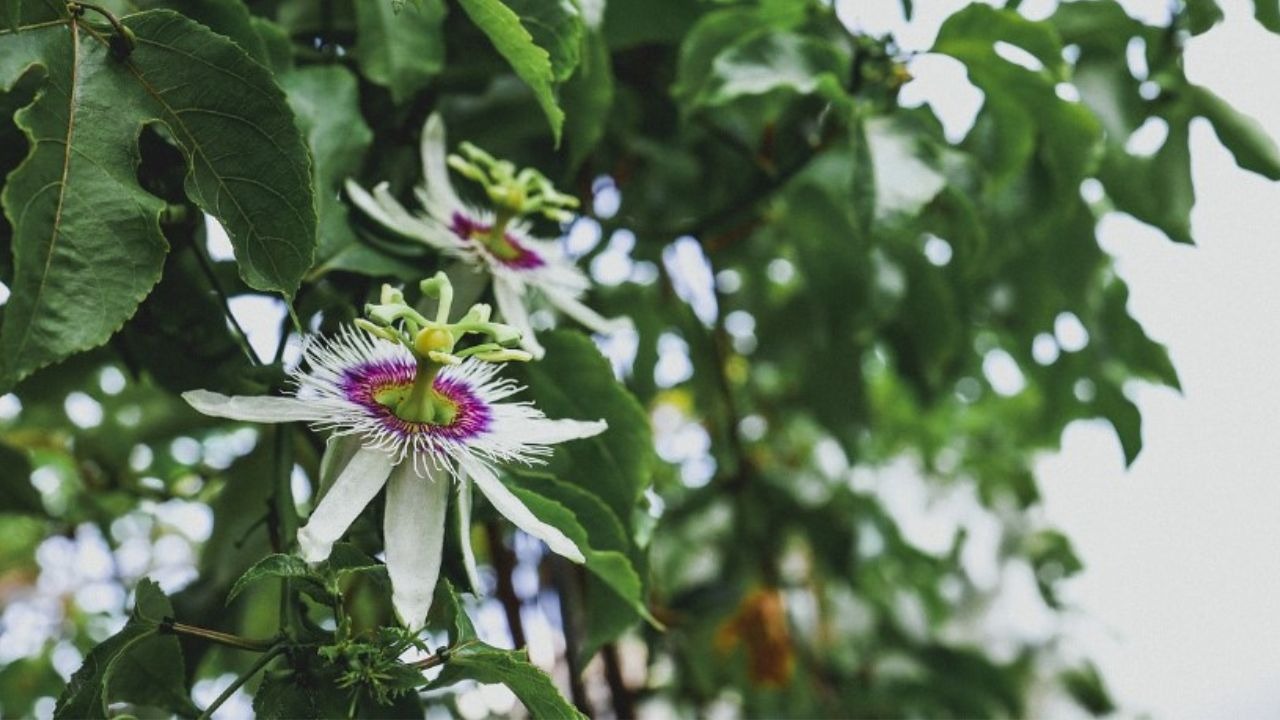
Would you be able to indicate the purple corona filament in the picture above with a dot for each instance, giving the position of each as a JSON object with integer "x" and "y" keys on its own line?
{"x": 365, "y": 381}
{"x": 468, "y": 229}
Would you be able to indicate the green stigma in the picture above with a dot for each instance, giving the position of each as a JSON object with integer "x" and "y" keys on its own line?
{"x": 515, "y": 194}
{"x": 433, "y": 343}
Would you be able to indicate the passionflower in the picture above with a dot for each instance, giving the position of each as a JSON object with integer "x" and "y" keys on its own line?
{"x": 407, "y": 409}
{"x": 495, "y": 239}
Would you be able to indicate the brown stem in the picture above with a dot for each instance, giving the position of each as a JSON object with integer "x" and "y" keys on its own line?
{"x": 504, "y": 564}
{"x": 569, "y": 588}
{"x": 623, "y": 707}
{"x": 235, "y": 641}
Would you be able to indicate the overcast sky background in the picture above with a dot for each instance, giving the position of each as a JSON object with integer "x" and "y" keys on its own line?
{"x": 1180, "y": 599}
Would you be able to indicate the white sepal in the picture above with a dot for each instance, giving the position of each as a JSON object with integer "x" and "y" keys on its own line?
{"x": 515, "y": 314}
{"x": 464, "y": 532}
{"x": 413, "y": 534}
{"x": 358, "y": 484}
{"x": 262, "y": 409}
{"x": 511, "y": 507}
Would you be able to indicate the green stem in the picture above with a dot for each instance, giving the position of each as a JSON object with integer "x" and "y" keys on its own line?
{"x": 221, "y": 638}
{"x": 239, "y": 682}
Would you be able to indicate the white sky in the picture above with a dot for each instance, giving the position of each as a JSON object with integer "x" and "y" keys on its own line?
{"x": 1179, "y": 600}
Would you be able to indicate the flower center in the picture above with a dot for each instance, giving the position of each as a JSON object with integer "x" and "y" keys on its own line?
{"x": 496, "y": 241}
{"x": 413, "y": 404}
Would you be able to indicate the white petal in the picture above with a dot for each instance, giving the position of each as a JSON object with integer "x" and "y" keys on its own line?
{"x": 413, "y": 533}
{"x": 383, "y": 207}
{"x": 263, "y": 409}
{"x": 435, "y": 170}
{"x": 514, "y": 313}
{"x": 505, "y": 502}
{"x": 464, "y": 531}
{"x": 589, "y": 318}
{"x": 541, "y": 431}
{"x": 338, "y": 451}
{"x": 355, "y": 487}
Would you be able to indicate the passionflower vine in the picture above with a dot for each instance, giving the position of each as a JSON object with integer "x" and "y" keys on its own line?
{"x": 409, "y": 410}
{"x": 495, "y": 239}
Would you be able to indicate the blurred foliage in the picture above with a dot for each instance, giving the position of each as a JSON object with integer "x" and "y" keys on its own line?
{"x": 852, "y": 303}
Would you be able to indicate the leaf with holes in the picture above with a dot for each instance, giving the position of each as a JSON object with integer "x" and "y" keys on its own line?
{"x": 87, "y": 244}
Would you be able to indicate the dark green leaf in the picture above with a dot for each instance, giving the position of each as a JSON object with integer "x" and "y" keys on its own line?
{"x": 1267, "y": 12}
{"x": 326, "y": 101}
{"x": 556, "y": 26}
{"x": 587, "y": 98}
{"x": 570, "y": 509}
{"x": 278, "y": 566}
{"x": 87, "y": 244}
{"x": 514, "y": 42}
{"x": 576, "y": 382}
{"x": 1248, "y": 141}
{"x": 400, "y": 50}
{"x": 775, "y": 61}
{"x": 136, "y": 665}
{"x": 1202, "y": 15}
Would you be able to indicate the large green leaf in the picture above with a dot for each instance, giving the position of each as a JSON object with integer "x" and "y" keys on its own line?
{"x": 326, "y": 100}
{"x": 1245, "y": 137}
{"x": 138, "y": 665}
{"x": 598, "y": 534}
{"x": 575, "y": 381}
{"x": 556, "y": 26}
{"x": 285, "y": 567}
{"x": 776, "y": 61}
{"x": 531, "y": 62}
{"x": 225, "y": 17}
{"x": 1267, "y": 13}
{"x": 587, "y": 99}
{"x": 401, "y": 48}
{"x": 87, "y": 244}
{"x": 470, "y": 659}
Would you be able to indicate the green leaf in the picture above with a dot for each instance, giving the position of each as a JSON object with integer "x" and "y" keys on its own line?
{"x": 470, "y": 659}
{"x": 87, "y": 244}
{"x": 1267, "y": 13}
{"x": 137, "y": 665}
{"x": 225, "y": 17}
{"x": 291, "y": 695}
{"x": 557, "y": 27}
{"x": 486, "y": 664}
{"x": 587, "y": 98}
{"x": 775, "y": 61}
{"x": 449, "y": 605}
{"x": 279, "y": 566}
{"x": 1245, "y": 137}
{"x": 576, "y": 382}
{"x": 326, "y": 101}
{"x": 529, "y": 61}
{"x": 570, "y": 509}
{"x": 1124, "y": 417}
{"x": 17, "y": 494}
{"x": 1155, "y": 189}
{"x": 399, "y": 49}
{"x": 971, "y": 35}
{"x": 713, "y": 34}
{"x": 1202, "y": 15}
{"x": 1086, "y": 687}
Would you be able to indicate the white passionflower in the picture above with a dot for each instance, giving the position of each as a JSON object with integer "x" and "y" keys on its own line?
{"x": 407, "y": 411}
{"x": 497, "y": 239}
